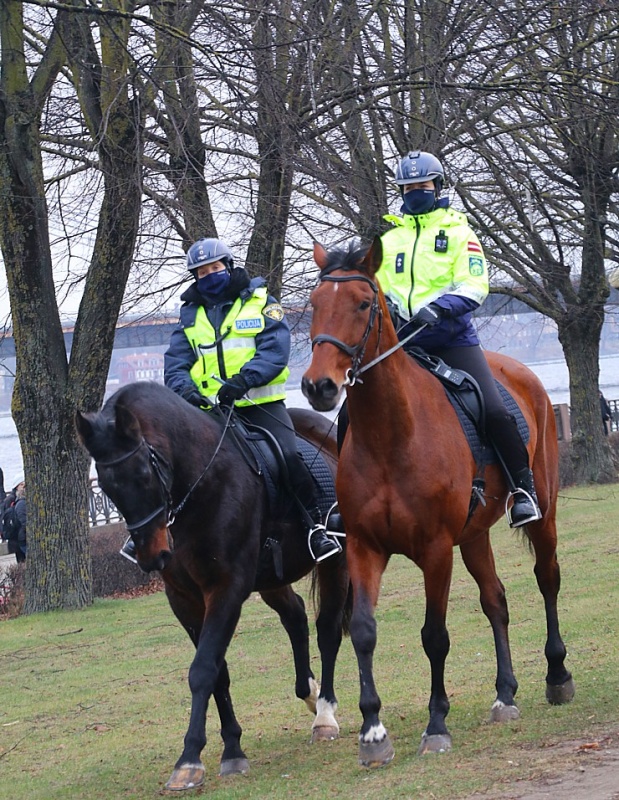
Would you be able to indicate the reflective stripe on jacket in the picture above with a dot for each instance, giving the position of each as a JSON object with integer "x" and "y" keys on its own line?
{"x": 234, "y": 345}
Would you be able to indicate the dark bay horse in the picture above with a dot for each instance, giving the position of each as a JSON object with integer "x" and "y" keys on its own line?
{"x": 157, "y": 455}
{"x": 404, "y": 484}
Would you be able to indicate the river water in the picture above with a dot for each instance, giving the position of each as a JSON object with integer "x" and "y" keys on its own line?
{"x": 553, "y": 374}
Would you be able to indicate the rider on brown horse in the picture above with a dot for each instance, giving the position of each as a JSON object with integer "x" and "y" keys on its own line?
{"x": 434, "y": 274}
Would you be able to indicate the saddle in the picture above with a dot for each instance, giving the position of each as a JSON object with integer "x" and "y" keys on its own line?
{"x": 265, "y": 456}
{"x": 467, "y": 400}
{"x": 465, "y": 396}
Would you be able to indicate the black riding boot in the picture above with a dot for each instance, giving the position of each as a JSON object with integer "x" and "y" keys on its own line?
{"x": 504, "y": 435}
{"x": 525, "y": 508}
{"x": 128, "y": 550}
{"x": 334, "y": 522}
{"x": 320, "y": 545}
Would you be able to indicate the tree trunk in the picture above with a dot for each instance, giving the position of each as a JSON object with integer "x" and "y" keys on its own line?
{"x": 591, "y": 453}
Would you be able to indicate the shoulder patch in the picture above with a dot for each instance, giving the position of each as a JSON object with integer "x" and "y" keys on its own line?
{"x": 274, "y": 311}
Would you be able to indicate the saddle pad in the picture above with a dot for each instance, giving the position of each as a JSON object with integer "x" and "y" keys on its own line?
{"x": 321, "y": 474}
{"x": 484, "y": 454}
{"x": 280, "y": 500}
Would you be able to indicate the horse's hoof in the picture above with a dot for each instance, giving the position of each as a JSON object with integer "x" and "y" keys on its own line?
{"x": 500, "y": 712}
{"x": 564, "y": 693}
{"x": 376, "y": 754}
{"x": 187, "y": 776}
{"x": 434, "y": 743}
{"x": 234, "y": 766}
{"x": 324, "y": 733}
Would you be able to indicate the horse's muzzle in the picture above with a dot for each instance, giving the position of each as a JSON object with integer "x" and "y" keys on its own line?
{"x": 156, "y": 564}
{"x": 322, "y": 395}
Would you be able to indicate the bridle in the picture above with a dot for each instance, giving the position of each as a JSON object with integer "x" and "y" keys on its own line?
{"x": 163, "y": 472}
{"x": 356, "y": 352}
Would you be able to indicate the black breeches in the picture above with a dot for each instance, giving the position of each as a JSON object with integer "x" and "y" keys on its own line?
{"x": 276, "y": 419}
{"x": 501, "y": 426}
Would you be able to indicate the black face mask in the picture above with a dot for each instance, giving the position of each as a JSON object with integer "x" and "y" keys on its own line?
{"x": 418, "y": 201}
{"x": 213, "y": 284}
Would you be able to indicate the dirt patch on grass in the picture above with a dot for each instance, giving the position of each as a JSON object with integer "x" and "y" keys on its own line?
{"x": 576, "y": 770}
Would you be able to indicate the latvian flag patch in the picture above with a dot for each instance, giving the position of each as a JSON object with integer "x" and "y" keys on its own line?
{"x": 474, "y": 247}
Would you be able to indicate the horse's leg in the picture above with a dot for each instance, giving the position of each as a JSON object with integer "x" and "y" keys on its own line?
{"x": 291, "y": 610}
{"x": 479, "y": 560}
{"x": 333, "y": 587}
{"x": 543, "y": 536}
{"x": 223, "y": 610}
{"x": 233, "y": 759}
{"x": 436, "y": 565}
{"x": 366, "y": 568}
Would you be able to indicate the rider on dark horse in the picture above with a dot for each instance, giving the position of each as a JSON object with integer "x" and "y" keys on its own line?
{"x": 232, "y": 347}
{"x": 434, "y": 274}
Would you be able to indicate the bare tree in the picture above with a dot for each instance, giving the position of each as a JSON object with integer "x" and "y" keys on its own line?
{"x": 538, "y": 175}
{"x": 49, "y": 386}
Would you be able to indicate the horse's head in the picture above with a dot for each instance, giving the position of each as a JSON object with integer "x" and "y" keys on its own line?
{"x": 348, "y": 310}
{"x": 134, "y": 476}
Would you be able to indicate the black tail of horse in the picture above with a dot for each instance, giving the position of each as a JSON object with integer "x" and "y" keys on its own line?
{"x": 315, "y": 599}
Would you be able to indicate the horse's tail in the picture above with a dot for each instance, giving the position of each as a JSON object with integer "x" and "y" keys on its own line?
{"x": 315, "y": 597}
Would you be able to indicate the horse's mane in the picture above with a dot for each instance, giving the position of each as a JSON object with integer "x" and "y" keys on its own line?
{"x": 347, "y": 257}
{"x": 153, "y": 404}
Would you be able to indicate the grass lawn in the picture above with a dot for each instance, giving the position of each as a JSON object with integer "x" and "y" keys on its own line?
{"x": 94, "y": 704}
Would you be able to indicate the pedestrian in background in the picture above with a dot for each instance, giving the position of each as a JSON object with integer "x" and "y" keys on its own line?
{"x": 606, "y": 413}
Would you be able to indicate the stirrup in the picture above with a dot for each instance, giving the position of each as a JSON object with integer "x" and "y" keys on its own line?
{"x": 333, "y": 514}
{"x": 537, "y": 514}
{"x": 128, "y": 550}
{"x": 334, "y": 547}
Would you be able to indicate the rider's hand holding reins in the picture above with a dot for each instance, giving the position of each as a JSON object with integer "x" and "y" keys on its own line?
{"x": 193, "y": 396}
{"x": 429, "y": 315}
{"x": 232, "y": 389}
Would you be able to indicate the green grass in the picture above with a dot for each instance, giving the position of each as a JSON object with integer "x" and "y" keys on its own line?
{"x": 94, "y": 704}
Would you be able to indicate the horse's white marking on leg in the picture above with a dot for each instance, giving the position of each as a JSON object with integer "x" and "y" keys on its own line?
{"x": 325, "y": 714}
{"x": 376, "y": 734}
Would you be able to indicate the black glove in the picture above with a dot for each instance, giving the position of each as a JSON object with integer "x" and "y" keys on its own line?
{"x": 193, "y": 396}
{"x": 429, "y": 315}
{"x": 233, "y": 389}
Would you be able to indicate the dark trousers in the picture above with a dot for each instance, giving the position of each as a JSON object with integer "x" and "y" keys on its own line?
{"x": 501, "y": 427}
{"x": 276, "y": 419}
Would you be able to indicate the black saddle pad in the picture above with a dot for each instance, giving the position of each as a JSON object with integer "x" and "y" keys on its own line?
{"x": 482, "y": 452}
{"x": 270, "y": 462}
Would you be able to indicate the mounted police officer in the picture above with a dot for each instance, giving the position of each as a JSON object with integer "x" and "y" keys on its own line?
{"x": 434, "y": 274}
{"x": 231, "y": 328}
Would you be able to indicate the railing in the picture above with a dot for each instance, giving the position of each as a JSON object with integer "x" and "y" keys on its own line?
{"x": 562, "y": 417}
{"x": 101, "y": 510}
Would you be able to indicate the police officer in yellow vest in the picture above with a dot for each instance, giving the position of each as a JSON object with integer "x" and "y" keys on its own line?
{"x": 434, "y": 275}
{"x": 232, "y": 328}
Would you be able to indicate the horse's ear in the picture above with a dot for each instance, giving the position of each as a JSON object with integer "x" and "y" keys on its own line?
{"x": 85, "y": 430}
{"x": 127, "y": 424}
{"x": 320, "y": 255}
{"x": 374, "y": 256}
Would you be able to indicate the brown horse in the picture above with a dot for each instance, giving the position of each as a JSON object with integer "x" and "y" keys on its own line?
{"x": 404, "y": 485}
{"x": 198, "y": 511}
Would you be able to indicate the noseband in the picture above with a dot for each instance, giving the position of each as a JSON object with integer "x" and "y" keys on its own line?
{"x": 163, "y": 473}
{"x": 356, "y": 352}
